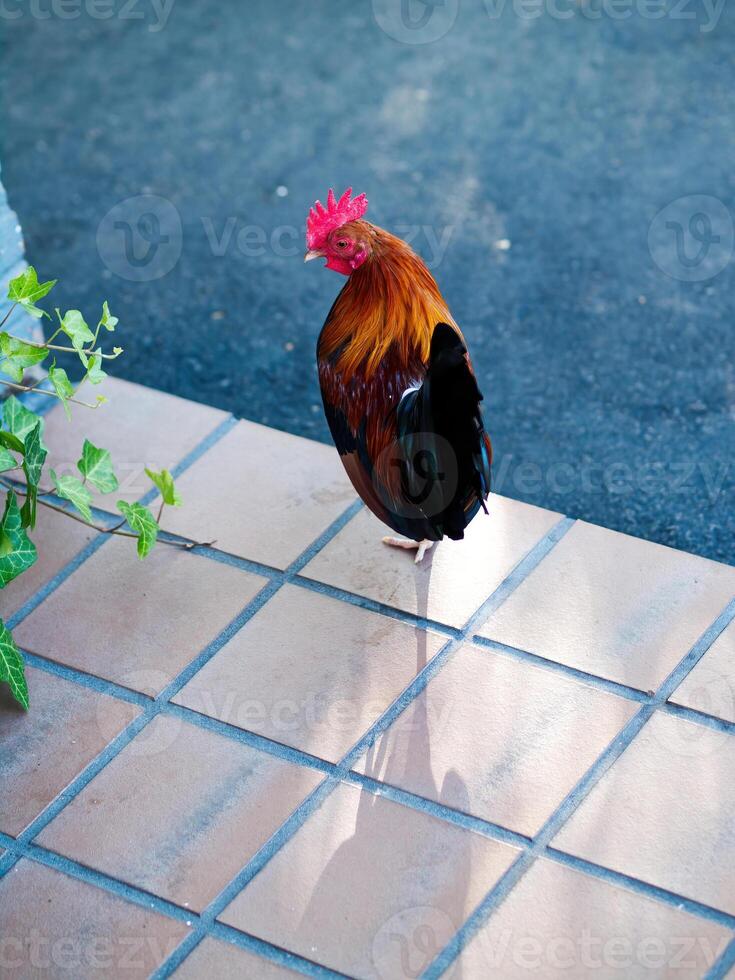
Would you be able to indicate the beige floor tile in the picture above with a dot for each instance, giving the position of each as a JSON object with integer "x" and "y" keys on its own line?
{"x": 140, "y": 426}
{"x": 179, "y": 812}
{"x": 710, "y": 687}
{"x": 452, "y": 581}
{"x": 58, "y": 539}
{"x": 261, "y": 494}
{"x": 614, "y": 605}
{"x": 560, "y": 924}
{"x": 311, "y": 672}
{"x": 215, "y": 960}
{"x": 663, "y": 812}
{"x": 45, "y": 748}
{"x": 364, "y": 880}
{"x": 137, "y": 622}
{"x": 498, "y": 739}
{"x": 54, "y": 926}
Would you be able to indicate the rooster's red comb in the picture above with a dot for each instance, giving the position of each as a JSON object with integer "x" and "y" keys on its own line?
{"x": 322, "y": 221}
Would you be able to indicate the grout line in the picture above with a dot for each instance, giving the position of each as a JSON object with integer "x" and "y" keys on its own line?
{"x": 278, "y": 954}
{"x": 411, "y": 619}
{"x": 227, "y": 558}
{"x": 214, "y": 646}
{"x": 81, "y": 872}
{"x": 446, "y": 813}
{"x": 640, "y": 887}
{"x": 606, "y": 684}
{"x": 698, "y": 717}
{"x": 76, "y": 676}
{"x": 722, "y": 966}
{"x": 262, "y": 743}
{"x": 572, "y": 801}
{"x": 696, "y": 653}
{"x": 554, "y": 666}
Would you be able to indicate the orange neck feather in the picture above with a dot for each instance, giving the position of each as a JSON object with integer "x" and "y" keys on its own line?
{"x": 392, "y": 300}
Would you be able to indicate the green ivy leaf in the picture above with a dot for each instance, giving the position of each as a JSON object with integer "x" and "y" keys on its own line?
{"x": 18, "y": 355}
{"x": 165, "y": 483}
{"x": 19, "y": 420}
{"x": 26, "y": 290}
{"x": 73, "y": 490}
{"x": 9, "y": 441}
{"x": 17, "y": 551}
{"x": 75, "y": 327}
{"x": 28, "y": 510}
{"x": 62, "y": 386}
{"x": 96, "y": 466}
{"x": 7, "y": 460}
{"x": 108, "y": 321}
{"x": 35, "y": 457}
{"x": 11, "y": 666}
{"x": 35, "y": 454}
{"x": 94, "y": 368}
{"x": 142, "y": 522}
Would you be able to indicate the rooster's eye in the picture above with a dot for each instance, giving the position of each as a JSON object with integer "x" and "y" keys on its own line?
{"x": 341, "y": 244}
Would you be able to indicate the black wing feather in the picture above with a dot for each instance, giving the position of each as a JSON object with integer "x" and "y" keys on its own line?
{"x": 443, "y": 440}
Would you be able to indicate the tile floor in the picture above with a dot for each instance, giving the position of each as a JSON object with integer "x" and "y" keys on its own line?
{"x": 294, "y": 752}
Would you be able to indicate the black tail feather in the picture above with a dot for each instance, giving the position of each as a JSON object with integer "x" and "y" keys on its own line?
{"x": 440, "y": 426}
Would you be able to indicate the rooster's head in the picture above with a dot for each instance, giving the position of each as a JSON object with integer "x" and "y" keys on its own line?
{"x": 336, "y": 233}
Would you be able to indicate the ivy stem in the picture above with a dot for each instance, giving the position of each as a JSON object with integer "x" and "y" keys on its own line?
{"x": 51, "y": 394}
{"x": 71, "y": 350}
{"x": 186, "y": 545}
{"x": 5, "y": 318}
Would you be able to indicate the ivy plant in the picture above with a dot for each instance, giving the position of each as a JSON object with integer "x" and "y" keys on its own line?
{"x": 23, "y": 451}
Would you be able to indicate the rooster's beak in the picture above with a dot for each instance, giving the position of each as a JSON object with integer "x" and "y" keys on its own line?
{"x": 313, "y": 254}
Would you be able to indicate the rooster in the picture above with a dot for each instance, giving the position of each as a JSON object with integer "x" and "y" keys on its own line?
{"x": 399, "y": 392}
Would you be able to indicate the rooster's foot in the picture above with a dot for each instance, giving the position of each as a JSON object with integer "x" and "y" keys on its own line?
{"x": 421, "y": 546}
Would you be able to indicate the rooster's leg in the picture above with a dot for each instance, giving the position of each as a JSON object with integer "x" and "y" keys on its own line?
{"x": 421, "y": 546}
